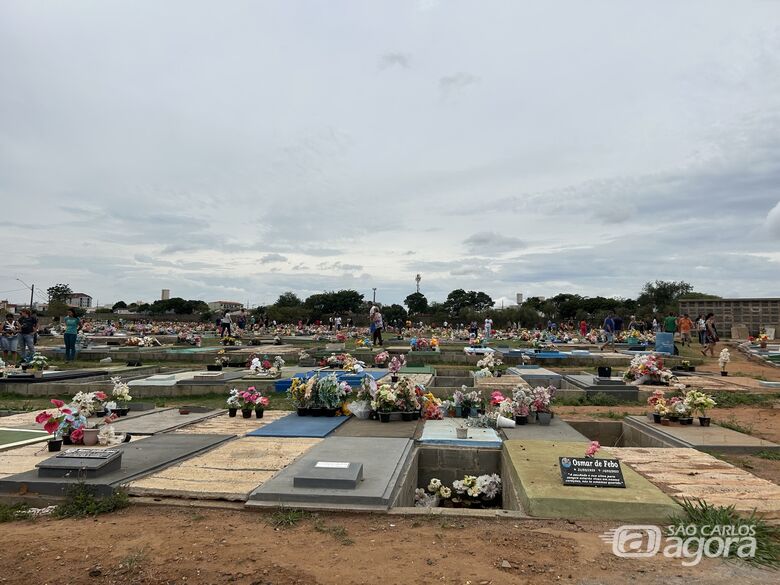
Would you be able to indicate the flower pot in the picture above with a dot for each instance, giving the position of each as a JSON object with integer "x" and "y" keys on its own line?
{"x": 259, "y": 412}
{"x": 724, "y": 373}
{"x": 91, "y": 437}
{"x": 122, "y": 411}
{"x": 656, "y": 418}
{"x": 384, "y": 417}
{"x": 462, "y": 433}
{"x": 416, "y": 415}
{"x": 762, "y": 345}
{"x": 101, "y": 413}
{"x": 394, "y": 378}
{"x": 458, "y": 411}
{"x": 521, "y": 420}
{"x": 686, "y": 421}
{"x": 213, "y": 368}
{"x": 665, "y": 422}
{"x": 303, "y": 411}
{"x": 54, "y": 445}
{"x": 605, "y": 372}
{"x": 66, "y": 440}
{"x": 329, "y": 411}
{"x": 498, "y": 374}
{"x": 674, "y": 419}
{"x": 407, "y": 416}
{"x": 232, "y": 412}
{"x": 372, "y": 415}
{"x": 704, "y": 421}
{"x": 544, "y": 418}
{"x": 246, "y": 412}
{"x": 315, "y": 411}
{"x": 474, "y": 412}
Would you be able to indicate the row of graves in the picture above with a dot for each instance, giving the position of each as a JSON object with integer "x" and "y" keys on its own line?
{"x": 391, "y": 429}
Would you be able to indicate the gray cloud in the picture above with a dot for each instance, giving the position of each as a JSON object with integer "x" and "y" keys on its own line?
{"x": 450, "y": 84}
{"x": 487, "y": 243}
{"x": 389, "y": 60}
{"x": 269, "y": 258}
{"x": 772, "y": 222}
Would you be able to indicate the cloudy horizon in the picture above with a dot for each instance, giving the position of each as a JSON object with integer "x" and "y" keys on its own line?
{"x": 236, "y": 151}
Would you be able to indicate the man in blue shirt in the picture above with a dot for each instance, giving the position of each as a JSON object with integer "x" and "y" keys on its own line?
{"x": 609, "y": 330}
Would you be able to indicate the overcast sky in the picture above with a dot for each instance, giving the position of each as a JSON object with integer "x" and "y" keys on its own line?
{"x": 235, "y": 150}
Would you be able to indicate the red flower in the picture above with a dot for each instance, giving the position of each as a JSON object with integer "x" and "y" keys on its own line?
{"x": 42, "y": 417}
{"x": 66, "y": 411}
{"x": 57, "y": 403}
{"x": 76, "y": 435}
{"x": 100, "y": 395}
{"x": 51, "y": 426}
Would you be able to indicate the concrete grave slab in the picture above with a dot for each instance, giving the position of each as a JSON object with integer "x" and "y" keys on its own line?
{"x": 337, "y": 475}
{"x": 557, "y": 430}
{"x": 442, "y": 432}
{"x": 356, "y": 427}
{"x": 640, "y": 432}
{"x": 382, "y": 459}
{"x": 537, "y": 478}
{"x": 139, "y": 458}
{"x": 689, "y": 473}
{"x": 160, "y": 421}
{"x": 222, "y": 424}
{"x": 538, "y": 376}
{"x": 293, "y": 425}
{"x": 229, "y": 472}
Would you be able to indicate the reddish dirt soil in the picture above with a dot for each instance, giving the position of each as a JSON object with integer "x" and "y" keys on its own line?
{"x": 161, "y": 545}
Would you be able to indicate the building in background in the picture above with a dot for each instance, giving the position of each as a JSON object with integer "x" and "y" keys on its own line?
{"x": 225, "y": 306}
{"x": 751, "y": 313}
{"x": 166, "y": 294}
{"x": 6, "y": 307}
{"x": 80, "y": 300}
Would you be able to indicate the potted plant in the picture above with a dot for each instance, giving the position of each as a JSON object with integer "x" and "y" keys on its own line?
{"x": 248, "y": 399}
{"x": 541, "y": 401}
{"x": 220, "y": 361}
{"x": 296, "y": 394}
{"x": 53, "y": 423}
{"x": 381, "y": 359}
{"x": 723, "y": 359}
{"x": 697, "y": 401}
{"x": 471, "y": 403}
{"x": 408, "y": 402}
{"x": 90, "y": 436}
{"x": 233, "y": 402}
{"x": 522, "y": 405}
{"x": 260, "y": 406}
{"x": 395, "y": 366}
{"x": 384, "y": 402}
{"x": 121, "y": 394}
{"x": 38, "y": 363}
{"x": 457, "y": 402}
{"x": 331, "y": 394}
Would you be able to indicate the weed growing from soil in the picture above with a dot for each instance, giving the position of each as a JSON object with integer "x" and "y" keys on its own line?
{"x": 81, "y": 501}
{"x": 702, "y": 515}
{"x": 732, "y": 399}
{"x": 771, "y": 455}
{"x": 337, "y": 532}
{"x": 133, "y": 562}
{"x": 286, "y": 517}
{"x": 14, "y": 512}
{"x": 731, "y": 423}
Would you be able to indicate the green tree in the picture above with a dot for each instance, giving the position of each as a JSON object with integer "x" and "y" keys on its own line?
{"x": 416, "y": 302}
{"x": 288, "y": 299}
{"x": 59, "y": 292}
{"x": 662, "y": 295}
{"x": 393, "y": 313}
{"x": 57, "y": 308}
{"x": 119, "y": 305}
{"x": 459, "y": 299}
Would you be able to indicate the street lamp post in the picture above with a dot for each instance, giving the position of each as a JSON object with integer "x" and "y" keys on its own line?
{"x": 374, "y": 295}
{"x": 32, "y": 291}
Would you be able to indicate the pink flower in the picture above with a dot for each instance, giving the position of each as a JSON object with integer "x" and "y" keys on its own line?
{"x": 100, "y": 395}
{"x": 594, "y": 447}
{"x": 66, "y": 411}
{"x": 262, "y": 401}
{"x": 76, "y": 435}
{"x": 57, "y": 403}
{"x": 51, "y": 426}
{"x": 42, "y": 417}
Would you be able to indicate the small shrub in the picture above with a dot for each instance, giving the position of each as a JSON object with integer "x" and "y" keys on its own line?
{"x": 81, "y": 501}
{"x": 9, "y": 513}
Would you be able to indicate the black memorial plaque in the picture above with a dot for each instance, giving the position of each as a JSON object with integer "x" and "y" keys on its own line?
{"x": 591, "y": 472}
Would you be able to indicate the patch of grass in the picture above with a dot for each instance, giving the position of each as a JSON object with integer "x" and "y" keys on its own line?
{"x": 81, "y": 501}
{"x": 336, "y": 531}
{"x": 286, "y": 517}
{"x": 611, "y": 414}
{"x": 732, "y": 399}
{"x": 602, "y": 399}
{"x": 134, "y": 561}
{"x": 598, "y": 399}
{"x": 14, "y": 512}
{"x": 771, "y": 455}
{"x": 731, "y": 423}
{"x": 701, "y": 514}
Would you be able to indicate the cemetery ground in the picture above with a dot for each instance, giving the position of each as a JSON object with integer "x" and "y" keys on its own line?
{"x": 164, "y": 540}
{"x": 164, "y": 545}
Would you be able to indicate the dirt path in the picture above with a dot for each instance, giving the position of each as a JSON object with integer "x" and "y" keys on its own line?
{"x": 156, "y": 545}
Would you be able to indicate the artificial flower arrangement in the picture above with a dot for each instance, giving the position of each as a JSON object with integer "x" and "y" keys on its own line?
{"x": 648, "y": 368}
{"x": 434, "y": 343}
{"x": 419, "y": 344}
{"x": 521, "y": 401}
{"x": 332, "y": 393}
{"x": 233, "y": 401}
{"x": 431, "y": 406}
{"x": 723, "y": 359}
{"x": 66, "y": 421}
{"x": 335, "y": 360}
{"x": 296, "y": 393}
{"x": 407, "y": 396}
{"x": 121, "y": 391}
{"x": 84, "y": 402}
{"x": 385, "y": 400}
{"x": 341, "y": 337}
{"x": 230, "y": 340}
{"x": 352, "y": 364}
{"x": 279, "y": 363}
{"x": 39, "y": 362}
{"x": 470, "y": 492}
{"x": 381, "y": 358}
{"x": 697, "y": 401}
{"x": 148, "y": 341}
{"x": 541, "y": 399}
{"x": 491, "y": 363}
{"x": 222, "y": 358}
{"x": 252, "y": 399}
{"x": 592, "y": 449}
{"x": 395, "y": 365}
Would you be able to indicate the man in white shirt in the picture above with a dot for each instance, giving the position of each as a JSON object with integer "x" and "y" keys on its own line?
{"x": 488, "y": 328}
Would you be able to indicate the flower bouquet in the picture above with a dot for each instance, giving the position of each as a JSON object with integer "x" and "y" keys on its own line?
{"x": 408, "y": 402}
{"x": 331, "y": 393}
{"x": 66, "y": 424}
{"x": 648, "y": 369}
{"x": 477, "y": 491}
{"x": 395, "y": 366}
{"x": 697, "y": 401}
{"x": 381, "y": 359}
{"x": 85, "y": 402}
{"x": 121, "y": 394}
{"x": 522, "y": 405}
{"x": 39, "y": 362}
{"x": 233, "y": 402}
{"x": 385, "y": 401}
{"x": 541, "y": 403}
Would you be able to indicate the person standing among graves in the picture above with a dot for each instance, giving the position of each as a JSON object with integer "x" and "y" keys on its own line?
{"x": 241, "y": 321}
{"x": 583, "y": 328}
{"x": 710, "y": 335}
{"x": 10, "y": 338}
{"x": 72, "y": 326}
{"x": 488, "y": 327}
{"x": 685, "y": 325}
{"x": 609, "y": 330}
{"x": 633, "y": 324}
{"x": 28, "y": 327}
{"x": 337, "y": 322}
{"x": 670, "y": 324}
{"x": 701, "y": 327}
{"x": 376, "y": 325}
{"x": 226, "y": 323}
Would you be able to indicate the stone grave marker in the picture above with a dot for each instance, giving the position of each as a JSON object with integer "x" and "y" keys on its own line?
{"x": 330, "y": 475}
{"x": 81, "y": 462}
